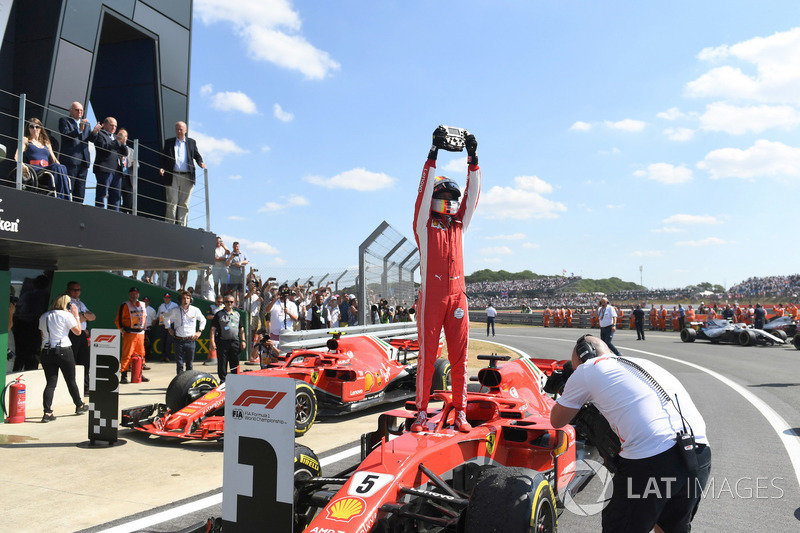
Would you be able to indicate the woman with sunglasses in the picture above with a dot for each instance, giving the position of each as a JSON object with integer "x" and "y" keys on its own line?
{"x": 37, "y": 153}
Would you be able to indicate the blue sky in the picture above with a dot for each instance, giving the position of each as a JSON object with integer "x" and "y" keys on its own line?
{"x": 612, "y": 135}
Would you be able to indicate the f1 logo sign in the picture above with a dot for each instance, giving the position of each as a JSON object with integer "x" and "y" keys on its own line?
{"x": 254, "y": 397}
{"x": 105, "y": 338}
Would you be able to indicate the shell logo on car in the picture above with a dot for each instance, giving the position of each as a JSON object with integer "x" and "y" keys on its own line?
{"x": 369, "y": 380}
{"x": 346, "y": 508}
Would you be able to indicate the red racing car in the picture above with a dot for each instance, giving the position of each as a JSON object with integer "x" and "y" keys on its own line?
{"x": 353, "y": 374}
{"x": 507, "y": 474}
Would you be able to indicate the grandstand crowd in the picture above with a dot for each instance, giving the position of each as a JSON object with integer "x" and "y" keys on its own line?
{"x": 554, "y": 291}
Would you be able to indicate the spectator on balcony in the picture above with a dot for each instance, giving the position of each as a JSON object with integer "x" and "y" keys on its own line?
{"x": 108, "y": 150}
{"x": 37, "y": 153}
{"x": 178, "y": 160}
{"x": 75, "y": 134}
{"x": 124, "y": 179}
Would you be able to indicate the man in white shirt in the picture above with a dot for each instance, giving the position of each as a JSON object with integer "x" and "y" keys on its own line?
{"x": 183, "y": 321}
{"x": 166, "y": 338}
{"x": 282, "y": 313}
{"x": 654, "y": 485}
{"x": 150, "y": 321}
{"x": 607, "y": 316}
{"x": 491, "y": 313}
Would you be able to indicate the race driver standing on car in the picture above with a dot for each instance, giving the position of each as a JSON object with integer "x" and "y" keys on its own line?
{"x": 439, "y": 224}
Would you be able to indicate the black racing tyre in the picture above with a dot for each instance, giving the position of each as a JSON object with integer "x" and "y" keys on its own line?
{"x": 511, "y": 500}
{"x": 796, "y": 341}
{"x": 441, "y": 375}
{"x": 306, "y": 466}
{"x": 779, "y": 333}
{"x": 747, "y": 337}
{"x": 187, "y": 387}
{"x": 305, "y": 411}
{"x": 688, "y": 334}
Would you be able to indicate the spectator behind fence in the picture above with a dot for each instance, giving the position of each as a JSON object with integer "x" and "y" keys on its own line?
{"x": 236, "y": 263}
{"x": 177, "y": 168}
{"x": 220, "y": 269}
{"x": 42, "y": 166}
{"x": 106, "y": 163}
{"x": 75, "y": 133}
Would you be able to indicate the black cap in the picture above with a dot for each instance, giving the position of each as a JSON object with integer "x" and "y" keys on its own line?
{"x": 133, "y": 289}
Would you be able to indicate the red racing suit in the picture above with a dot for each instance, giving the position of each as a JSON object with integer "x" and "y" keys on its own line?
{"x": 442, "y": 298}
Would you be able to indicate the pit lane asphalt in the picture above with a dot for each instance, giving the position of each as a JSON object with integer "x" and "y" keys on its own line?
{"x": 53, "y": 482}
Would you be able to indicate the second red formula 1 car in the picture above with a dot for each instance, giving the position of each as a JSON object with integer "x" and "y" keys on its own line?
{"x": 352, "y": 374}
{"x": 506, "y": 474}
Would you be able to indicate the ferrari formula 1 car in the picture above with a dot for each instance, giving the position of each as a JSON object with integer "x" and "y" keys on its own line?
{"x": 721, "y": 330}
{"x": 353, "y": 374}
{"x": 507, "y": 474}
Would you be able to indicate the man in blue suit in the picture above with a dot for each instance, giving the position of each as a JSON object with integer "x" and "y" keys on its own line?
{"x": 75, "y": 133}
{"x": 108, "y": 150}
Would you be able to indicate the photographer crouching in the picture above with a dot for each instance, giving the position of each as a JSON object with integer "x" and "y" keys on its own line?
{"x": 665, "y": 460}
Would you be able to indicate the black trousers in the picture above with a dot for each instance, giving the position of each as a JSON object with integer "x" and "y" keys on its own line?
{"x": 227, "y": 357}
{"x": 80, "y": 350}
{"x": 54, "y": 360}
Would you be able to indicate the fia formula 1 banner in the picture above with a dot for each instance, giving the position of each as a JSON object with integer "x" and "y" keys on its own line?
{"x": 258, "y": 463}
{"x": 104, "y": 385}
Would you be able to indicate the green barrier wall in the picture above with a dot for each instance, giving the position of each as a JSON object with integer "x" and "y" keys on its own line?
{"x": 103, "y": 292}
{"x": 5, "y": 281}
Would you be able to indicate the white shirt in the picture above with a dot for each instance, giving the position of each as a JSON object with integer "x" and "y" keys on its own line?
{"x": 491, "y": 312}
{"x": 180, "y": 156}
{"x": 163, "y": 309}
{"x": 151, "y": 317}
{"x": 645, "y": 426}
{"x": 334, "y": 315}
{"x": 278, "y": 314}
{"x": 606, "y": 315}
{"x": 55, "y": 326}
{"x": 185, "y": 321}
{"x": 81, "y": 309}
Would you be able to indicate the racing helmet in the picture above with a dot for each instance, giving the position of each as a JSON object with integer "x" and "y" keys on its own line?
{"x": 441, "y": 202}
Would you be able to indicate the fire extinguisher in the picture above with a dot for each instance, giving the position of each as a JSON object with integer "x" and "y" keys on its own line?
{"x": 16, "y": 402}
{"x": 136, "y": 368}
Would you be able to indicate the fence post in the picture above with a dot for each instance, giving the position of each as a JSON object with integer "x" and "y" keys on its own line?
{"x": 135, "y": 177}
{"x": 208, "y": 205}
{"x": 20, "y": 135}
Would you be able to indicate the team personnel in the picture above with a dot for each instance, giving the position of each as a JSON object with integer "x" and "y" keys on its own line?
{"x": 132, "y": 320}
{"x": 491, "y": 314}
{"x": 638, "y": 321}
{"x": 439, "y": 225}
{"x": 607, "y": 318}
{"x": 227, "y": 338}
{"x": 654, "y": 484}
{"x": 183, "y": 321}
{"x": 80, "y": 343}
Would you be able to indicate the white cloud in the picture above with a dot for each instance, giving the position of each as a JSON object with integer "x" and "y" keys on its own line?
{"x": 496, "y": 250}
{"x": 666, "y": 173}
{"x": 615, "y": 206}
{"x": 235, "y": 177}
{"x": 282, "y": 115}
{"x": 523, "y": 201}
{"x": 647, "y": 253}
{"x": 613, "y": 151}
{"x": 293, "y": 200}
{"x": 531, "y": 245}
{"x": 511, "y": 237}
{"x": 236, "y": 218}
{"x": 278, "y": 261}
{"x": 777, "y": 77}
{"x": 357, "y": 179}
{"x": 580, "y": 126}
{"x": 679, "y": 134}
{"x": 627, "y": 124}
{"x": 456, "y": 166}
{"x": 737, "y": 120}
{"x": 692, "y": 219}
{"x": 668, "y": 229}
{"x": 673, "y": 113}
{"x": 265, "y": 149}
{"x": 233, "y": 101}
{"x": 763, "y": 159}
{"x": 710, "y": 241}
{"x": 270, "y": 31}
{"x": 215, "y": 150}
{"x": 207, "y": 89}
{"x": 251, "y": 247}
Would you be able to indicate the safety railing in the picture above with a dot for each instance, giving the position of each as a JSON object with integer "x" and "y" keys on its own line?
{"x": 315, "y": 338}
{"x": 143, "y": 165}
